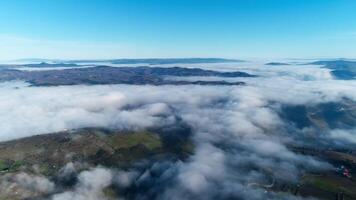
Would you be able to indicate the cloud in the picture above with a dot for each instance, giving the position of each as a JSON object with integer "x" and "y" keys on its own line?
{"x": 125, "y": 179}
{"x": 34, "y": 183}
{"x": 90, "y": 186}
{"x": 24, "y": 185}
{"x": 240, "y": 138}
{"x": 347, "y": 136}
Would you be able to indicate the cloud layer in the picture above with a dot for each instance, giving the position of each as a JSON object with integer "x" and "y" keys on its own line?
{"x": 241, "y": 140}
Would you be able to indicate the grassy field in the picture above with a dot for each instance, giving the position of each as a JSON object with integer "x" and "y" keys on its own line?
{"x": 328, "y": 186}
{"x": 150, "y": 140}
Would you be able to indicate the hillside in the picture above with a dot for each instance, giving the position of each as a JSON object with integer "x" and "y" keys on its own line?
{"x": 116, "y": 75}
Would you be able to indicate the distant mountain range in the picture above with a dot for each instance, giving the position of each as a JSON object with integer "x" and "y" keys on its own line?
{"x": 341, "y": 69}
{"x": 151, "y": 61}
{"x": 276, "y": 63}
{"x": 116, "y": 75}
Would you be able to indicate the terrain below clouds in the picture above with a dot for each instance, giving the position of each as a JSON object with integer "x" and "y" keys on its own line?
{"x": 115, "y": 75}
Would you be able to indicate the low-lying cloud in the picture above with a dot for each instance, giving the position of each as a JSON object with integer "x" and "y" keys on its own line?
{"x": 240, "y": 138}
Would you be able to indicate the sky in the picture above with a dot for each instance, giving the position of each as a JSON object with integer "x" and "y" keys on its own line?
{"x": 97, "y": 29}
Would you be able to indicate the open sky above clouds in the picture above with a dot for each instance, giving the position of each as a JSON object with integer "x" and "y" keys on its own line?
{"x": 177, "y": 28}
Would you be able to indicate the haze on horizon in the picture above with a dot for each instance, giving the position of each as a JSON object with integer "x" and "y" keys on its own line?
{"x": 71, "y": 29}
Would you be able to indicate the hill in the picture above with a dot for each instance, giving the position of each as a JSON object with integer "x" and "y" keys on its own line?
{"x": 341, "y": 69}
{"x": 116, "y": 75}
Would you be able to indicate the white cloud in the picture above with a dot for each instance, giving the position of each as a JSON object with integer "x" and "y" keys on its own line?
{"x": 238, "y": 134}
{"x": 348, "y": 136}
{"x": 35, "y": 183}
{"x": 90, "y": 186}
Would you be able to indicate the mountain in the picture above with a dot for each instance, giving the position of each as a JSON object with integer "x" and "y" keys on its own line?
{"x": 157, "y": 61}
{"x": 116, "y": 75}
{"x": 51, "y": 156}
{"x": 150, "y": 61}
{"x": 341, "y": 69}
{"x": 276, "y": 63}
{"x": 45, "y": 64}
{"x": 331, "y": 115}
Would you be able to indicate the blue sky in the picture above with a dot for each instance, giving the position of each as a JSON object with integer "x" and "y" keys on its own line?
{"x": 177, "y": 28}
